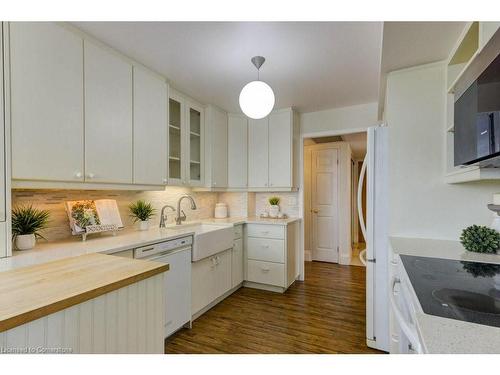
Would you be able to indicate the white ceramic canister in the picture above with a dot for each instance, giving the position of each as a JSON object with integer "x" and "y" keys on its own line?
{"x": 220, "y": 210}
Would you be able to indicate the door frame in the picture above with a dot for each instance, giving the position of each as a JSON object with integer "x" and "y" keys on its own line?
{"x": 304, "y": 136}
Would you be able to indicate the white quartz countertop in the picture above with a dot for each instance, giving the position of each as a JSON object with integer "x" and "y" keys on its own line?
{"x": 123, "y": 240}
{"x": 444, "y": 335}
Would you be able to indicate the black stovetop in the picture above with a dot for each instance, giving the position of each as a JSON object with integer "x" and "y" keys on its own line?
{"x": 468, "y": 291}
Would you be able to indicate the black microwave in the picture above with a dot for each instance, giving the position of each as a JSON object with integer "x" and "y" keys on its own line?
{"x": 477, "y": 120}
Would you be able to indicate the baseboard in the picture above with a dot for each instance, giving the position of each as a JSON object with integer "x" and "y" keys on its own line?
{"x": 269, "y": 288}
{"x": 308, "y": 255}
{"x": 215, "y": 302}
{"x": 345, "y": 259}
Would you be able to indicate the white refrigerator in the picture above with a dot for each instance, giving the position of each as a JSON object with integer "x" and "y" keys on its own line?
{"x": 375, "y": 231}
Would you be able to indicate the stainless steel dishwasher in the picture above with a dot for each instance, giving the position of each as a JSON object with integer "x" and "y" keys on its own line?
{"x": 177, "y": 253}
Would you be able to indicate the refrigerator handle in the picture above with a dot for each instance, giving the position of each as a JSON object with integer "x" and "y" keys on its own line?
{"x": 360, "y": 199}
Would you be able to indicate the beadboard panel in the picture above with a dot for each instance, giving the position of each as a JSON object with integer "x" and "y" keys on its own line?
{"x": 53, "y": 201}
{"x": 128, "y": 320}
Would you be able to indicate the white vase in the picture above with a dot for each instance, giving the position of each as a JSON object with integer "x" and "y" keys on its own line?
{"x": 25, "y": 241}
{"x": 144, "y": 225}
{"x": 274, "y": 210}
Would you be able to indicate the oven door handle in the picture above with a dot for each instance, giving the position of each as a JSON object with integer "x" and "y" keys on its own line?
{"x": 407, "y": 329}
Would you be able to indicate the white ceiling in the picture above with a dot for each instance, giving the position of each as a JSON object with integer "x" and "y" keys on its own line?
{"x": 407, "y": 44}
{"x": 310, "y": 65}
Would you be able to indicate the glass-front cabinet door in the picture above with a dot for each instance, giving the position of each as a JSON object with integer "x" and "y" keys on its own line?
{"x": 175, "y": 136}
{"x": 195, "y": 127}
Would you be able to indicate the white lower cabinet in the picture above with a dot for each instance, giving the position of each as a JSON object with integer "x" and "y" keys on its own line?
{"x": 211, "y": 278}
{"x": 237, "y": 268}
{"x": 268, "y": 273}
{"x": 271, "y": 255}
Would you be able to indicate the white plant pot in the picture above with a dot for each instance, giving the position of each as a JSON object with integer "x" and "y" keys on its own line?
{"x": 144, "y": 225}
{"x": 25, "y": 241}
{"x": 274, "y": 211}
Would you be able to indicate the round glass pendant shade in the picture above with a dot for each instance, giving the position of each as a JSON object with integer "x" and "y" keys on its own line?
{"x": 257, "y": 99}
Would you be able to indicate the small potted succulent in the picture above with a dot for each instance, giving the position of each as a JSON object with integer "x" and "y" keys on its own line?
{"x": 274, "y": 210}
{"x": 27, "y": 222}
{"x": 480, "y": 239}
{"x": 141, "y": 212}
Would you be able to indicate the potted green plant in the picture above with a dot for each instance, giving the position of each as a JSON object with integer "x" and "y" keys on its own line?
{"x": 27, "y": 222}
{"x": 141, "y": 212}
{"x": 274, "y": 210}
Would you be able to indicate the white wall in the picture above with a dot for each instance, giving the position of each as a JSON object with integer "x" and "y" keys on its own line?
{"x": 422, "y": 204}
{"x": 356, "y": 117}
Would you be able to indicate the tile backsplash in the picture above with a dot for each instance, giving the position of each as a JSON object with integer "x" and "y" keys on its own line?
{"x": 289, "y": 203}
{"x": 240, "y": 204}
{"x": 53, "y": 200}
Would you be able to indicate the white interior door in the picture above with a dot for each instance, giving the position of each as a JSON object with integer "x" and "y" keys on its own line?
{"x": 324, "y": 205}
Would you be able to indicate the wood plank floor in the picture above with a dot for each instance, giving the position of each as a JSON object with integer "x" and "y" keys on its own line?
{"x": 323, "y": 314}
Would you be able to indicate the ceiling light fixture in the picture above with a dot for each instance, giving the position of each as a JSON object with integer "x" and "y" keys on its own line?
{"x": 257, "y": 97}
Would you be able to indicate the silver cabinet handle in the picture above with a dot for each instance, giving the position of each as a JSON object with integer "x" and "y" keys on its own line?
{"x": 90, "y": 175}
{"x": 78, "y": 174}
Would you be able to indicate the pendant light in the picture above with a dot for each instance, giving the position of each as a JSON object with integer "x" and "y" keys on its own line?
{"x": 257, "y": 97}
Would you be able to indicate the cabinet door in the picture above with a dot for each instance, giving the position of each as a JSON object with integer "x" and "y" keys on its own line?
{"x": 202, "y": 283}
{"x": 108, "y": 116}
{"x": 237, "y": 263}
{"x": 194, "y": 141}
{"x": 223, "y": 273}
{"x": 258, "y": 148}
{"x": 218, "y": 147}
{"x": 46, "y": 67}
{"x": 150, "y": 128}
{"x": 237, "y": 151}
{"x": 3, "y": 182}
{"x": 176, "y": 130}
{"x": 280, "y": 150}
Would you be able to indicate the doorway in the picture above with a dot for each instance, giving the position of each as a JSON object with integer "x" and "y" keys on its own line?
{"x": 331, "y": 174}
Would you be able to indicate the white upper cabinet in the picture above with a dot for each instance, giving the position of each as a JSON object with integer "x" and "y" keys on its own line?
{"x": 272, "y": 151}
{"x": 280, "y": 148}
{"x": 3, "y": 182}
{"x": 216, "y": 140}
{"x": 258, "y": 153}
{"x": 150, "y": 128}
{"x": 176, "y": 135}
{"x": 46, "y": 74}
{"x": 108, "y": 116}
{"x": 195, "y": 121}
{"x": 186, "y": 137}
{"x": 237, "y": 151}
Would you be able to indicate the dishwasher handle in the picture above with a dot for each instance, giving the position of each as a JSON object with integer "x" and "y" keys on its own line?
{"x": 166, "y": 253}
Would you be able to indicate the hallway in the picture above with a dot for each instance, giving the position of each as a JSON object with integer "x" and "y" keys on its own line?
{"x": 324, "y": 314}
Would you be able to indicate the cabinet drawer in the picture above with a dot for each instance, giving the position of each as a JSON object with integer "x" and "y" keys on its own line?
{"x": 266, "y": 273}
{"x": 270, "y": 250}
{"x": 238, "y": 231}
{"x": 266, "y": 231}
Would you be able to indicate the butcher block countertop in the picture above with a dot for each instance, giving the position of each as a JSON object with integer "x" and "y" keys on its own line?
{"x": 29, "y": 293}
